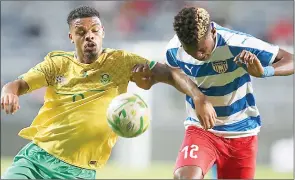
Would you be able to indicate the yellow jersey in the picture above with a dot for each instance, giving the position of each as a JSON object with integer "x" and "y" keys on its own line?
{"x": 72, "y": 125}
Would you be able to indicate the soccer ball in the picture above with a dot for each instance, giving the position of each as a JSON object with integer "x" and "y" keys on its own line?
{"x": 128, "y": 115}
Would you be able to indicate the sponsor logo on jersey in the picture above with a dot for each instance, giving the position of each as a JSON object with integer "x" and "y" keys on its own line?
{"x": 60, "y": 79}
{"x": 189, "y": 69}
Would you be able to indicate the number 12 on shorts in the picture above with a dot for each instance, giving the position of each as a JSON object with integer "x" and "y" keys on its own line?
{"x": 191, "y": 151}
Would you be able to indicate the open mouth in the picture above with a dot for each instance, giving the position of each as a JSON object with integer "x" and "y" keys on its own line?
{"x": 90, "y": 46}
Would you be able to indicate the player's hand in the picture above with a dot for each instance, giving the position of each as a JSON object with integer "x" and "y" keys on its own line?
{"x": 142, "y": 76}
{"x": 252, "y": 63}
{"x": 206, "y": 113}
{"x": 9, "y": 103}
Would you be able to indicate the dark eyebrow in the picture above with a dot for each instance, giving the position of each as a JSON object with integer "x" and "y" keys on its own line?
{"x": 96, "y": 24}
{"x": 78, "y": 27}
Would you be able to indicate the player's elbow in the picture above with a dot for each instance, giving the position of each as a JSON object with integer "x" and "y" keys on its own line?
{"x": 283, "y": 56}
{"x": 288, "y": 56}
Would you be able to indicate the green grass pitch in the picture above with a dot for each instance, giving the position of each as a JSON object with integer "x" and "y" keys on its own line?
{"x": 158, "y": 170}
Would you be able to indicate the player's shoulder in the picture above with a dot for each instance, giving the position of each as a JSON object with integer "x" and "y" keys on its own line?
{"x": 230, "y": 37}
{"x": 120, "y": 53}
{"x": 173, "y": 43}
{"x": 59, "y": 55}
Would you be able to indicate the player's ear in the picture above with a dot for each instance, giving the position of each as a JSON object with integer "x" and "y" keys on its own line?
{"x": 213, "y": 31}
{"x": 103, "y": 32}
{"x": 71, "y": 37}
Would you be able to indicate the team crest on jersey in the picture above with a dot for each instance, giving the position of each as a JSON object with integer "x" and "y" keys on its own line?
{"x": 220, "y": 66}
{"x": 105, "y": 78}
{"x": 60, "y": 79}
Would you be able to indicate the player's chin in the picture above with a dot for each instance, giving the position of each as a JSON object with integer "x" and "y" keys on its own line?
{"x": 90, "y": 50}
{"x": 206, "y": 58}
{"x": 90, "y": 54}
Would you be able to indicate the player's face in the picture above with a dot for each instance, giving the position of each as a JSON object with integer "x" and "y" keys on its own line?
{"x": 87, "y": 34}
{"x": 202, "y": 51}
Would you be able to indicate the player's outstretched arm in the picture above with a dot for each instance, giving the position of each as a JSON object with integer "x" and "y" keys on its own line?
{"x": 10, "y": 93}
{"x": 41, "y": 75}
{"x": 145, "y": 78}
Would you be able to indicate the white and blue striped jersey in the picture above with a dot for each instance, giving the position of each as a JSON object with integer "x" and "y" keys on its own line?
{"x": 227, "y": 86}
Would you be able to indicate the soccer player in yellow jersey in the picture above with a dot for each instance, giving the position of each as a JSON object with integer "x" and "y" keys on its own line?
{"x": 70, "y": 137}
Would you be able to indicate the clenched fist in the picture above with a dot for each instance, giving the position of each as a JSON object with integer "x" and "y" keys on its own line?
{"x": 205, "y": 113}
{"x": 252, "y": 63}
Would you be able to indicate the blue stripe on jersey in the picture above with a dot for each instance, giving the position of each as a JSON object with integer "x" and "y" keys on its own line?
{"x": 262, "y": 55}
{"x": 237, "y": 106}
{"x": 221, "y": 41}
{"x": 171, "y": 57}
{"x": 243, "y": 125}
{"x": 228, "y": 88}
{"x": 206, "y": 69}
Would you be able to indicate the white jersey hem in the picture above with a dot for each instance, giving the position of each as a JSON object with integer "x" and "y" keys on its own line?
{"x": 226, "y": 134}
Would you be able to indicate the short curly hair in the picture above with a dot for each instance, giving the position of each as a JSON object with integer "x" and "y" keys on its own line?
{"x": 82, "y": 12}
{"x": 191, "y": 24}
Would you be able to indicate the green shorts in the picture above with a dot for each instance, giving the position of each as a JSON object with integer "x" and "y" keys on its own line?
{"x": 32, "y": 162}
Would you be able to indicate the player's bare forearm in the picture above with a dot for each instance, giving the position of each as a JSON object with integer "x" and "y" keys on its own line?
{"x": 145, "y": 79}
{"x": 184, "y": 84}
{"x": 283, "y": 64}
{"x": 17, "y": 87}
{"x": 176, "y": 78}
{"x": 162, "y": 73}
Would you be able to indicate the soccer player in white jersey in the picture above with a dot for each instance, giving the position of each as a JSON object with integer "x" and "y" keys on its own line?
{"x": 223, "y": 120}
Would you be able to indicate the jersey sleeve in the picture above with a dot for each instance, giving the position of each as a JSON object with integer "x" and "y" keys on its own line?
{"x": 171, "y": 52}
{"x": 171, "y": 58}
{"x": 39, "y": 76}
{"x": 264, "y": 51}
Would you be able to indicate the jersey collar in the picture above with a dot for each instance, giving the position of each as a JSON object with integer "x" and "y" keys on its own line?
{"x": 216, "y": 38}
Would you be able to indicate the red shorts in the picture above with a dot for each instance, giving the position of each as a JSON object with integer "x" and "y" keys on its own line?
{"x": 235, "y": 157}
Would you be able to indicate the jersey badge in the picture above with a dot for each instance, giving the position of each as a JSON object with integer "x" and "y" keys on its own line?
{"x": 60, "y": 79}
{"x": 105, "y": 78}
{"x": 220, "y": 66}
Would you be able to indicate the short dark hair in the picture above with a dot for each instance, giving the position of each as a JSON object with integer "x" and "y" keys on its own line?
{"x": 82, "y": 12}
{"x": 191, "y": 24}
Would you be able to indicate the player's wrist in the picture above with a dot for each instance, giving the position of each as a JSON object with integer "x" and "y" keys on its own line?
{"x": 268, "y": 71}
{"x": 199, "y": 98}
{"x": 11, "y": 88}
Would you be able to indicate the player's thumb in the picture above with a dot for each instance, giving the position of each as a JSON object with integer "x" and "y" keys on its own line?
{"x": 201, "y": 120}
{"x": 239, "y": 63}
